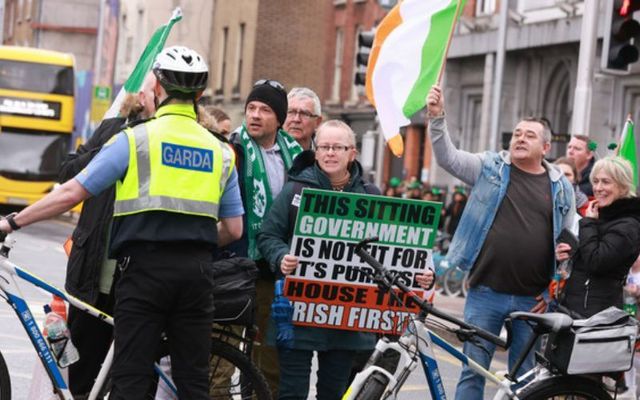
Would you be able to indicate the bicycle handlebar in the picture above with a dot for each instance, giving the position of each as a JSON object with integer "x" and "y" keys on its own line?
{"x": 425, "y": 305}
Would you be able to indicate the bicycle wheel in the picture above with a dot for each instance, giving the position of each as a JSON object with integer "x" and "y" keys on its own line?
{"x": 5, "y": 380}
{"x": 453, "y": 282}
{"x": 565, "y": 387}
{"x": 373, "y": 387}
{"x": 233, "y": 376}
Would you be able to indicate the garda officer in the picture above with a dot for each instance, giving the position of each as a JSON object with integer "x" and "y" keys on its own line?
{"x": 177, "y": 198}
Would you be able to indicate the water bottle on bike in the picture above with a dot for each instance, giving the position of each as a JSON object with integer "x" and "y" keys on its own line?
{"x": 59, "y": 338}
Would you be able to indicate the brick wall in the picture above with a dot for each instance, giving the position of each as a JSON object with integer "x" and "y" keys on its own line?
{"x": 289, "y": 42}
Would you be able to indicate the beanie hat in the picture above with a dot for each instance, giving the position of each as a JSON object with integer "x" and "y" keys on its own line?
{"x": 272, "y": 96}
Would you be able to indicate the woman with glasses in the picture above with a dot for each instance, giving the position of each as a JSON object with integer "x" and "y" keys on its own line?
{"x": 333, "y": 166}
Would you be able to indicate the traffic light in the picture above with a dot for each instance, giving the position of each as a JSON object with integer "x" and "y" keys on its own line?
{"x": 621, "y": 36}
{"x": 365, "y": 42}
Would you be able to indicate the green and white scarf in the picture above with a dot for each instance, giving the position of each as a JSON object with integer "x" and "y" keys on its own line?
{"x": 257, "y": 192}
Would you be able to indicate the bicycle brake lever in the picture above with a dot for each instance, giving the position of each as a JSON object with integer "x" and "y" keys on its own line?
{"x": 465, "y": 335}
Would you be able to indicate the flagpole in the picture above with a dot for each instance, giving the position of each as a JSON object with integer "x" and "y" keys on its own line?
{"x": 446, "y": 51}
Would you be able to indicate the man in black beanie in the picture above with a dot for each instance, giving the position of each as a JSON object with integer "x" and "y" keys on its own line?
{"x": 264, "y": 154}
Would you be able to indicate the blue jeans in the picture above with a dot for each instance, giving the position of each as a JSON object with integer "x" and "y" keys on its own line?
{"x": 488, "y": 309}
{"x": 334, "y": 367}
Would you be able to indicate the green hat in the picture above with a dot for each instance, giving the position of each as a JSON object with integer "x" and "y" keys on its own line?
{"x": 394, "y": 182}
{"x": 436, "y": 191}
{"x": 415, "y": 185}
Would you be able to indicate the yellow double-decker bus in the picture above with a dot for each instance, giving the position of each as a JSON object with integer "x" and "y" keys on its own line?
{"x": 36, "y": 120}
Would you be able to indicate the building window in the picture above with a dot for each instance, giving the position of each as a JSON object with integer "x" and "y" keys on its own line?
{"x": 20, "y": 11}
{"x": 337, "y": 69}
{"x": 239, "y": 52}
{"x": 472, "y": 103}
{"x": 222, "y": 61}
{"x": 128, "y": 52}
{"x": 28, "y": 10}
{"x": 139, "y": 31}
{"x": 11, "y": 21}
{"x": 524, "y": 6}
{"x": 485, "y": 7}
{"x": 354, "y": 88}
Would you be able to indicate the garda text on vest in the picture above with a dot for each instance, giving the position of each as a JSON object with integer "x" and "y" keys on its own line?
{"x": 186, "y": 157}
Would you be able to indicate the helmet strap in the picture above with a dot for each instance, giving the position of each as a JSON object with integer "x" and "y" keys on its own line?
{"x": 165, "y": 101}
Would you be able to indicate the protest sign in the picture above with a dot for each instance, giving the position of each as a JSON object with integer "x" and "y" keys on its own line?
{"x": 332, "y": 287}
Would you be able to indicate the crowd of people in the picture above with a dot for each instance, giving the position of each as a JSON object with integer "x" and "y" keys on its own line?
{"x": 153, "y": 224}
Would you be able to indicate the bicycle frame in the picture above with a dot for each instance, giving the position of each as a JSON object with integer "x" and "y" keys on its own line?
{"x": 415, "y": 346}
{"x": 13, "y": 295}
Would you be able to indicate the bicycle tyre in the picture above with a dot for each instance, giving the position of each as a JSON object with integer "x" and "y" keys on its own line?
{"x": 245, "y": 382}
{"x": 373, "y": 387}
{"x": 565, "y": 386}
{"x": 453, "y": 282}
{"x": 5, "y": 380}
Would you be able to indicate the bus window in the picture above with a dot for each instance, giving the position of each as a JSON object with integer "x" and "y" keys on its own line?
{"x": 32, "y": 157}
{"x": 32, "y": 77}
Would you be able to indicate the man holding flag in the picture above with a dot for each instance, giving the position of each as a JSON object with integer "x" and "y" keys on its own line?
{"x": 506, "y": 236}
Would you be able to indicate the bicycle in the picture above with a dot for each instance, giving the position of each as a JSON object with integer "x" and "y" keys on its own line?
{"x": 415, "y": 347}
{"x": 244, "y": 382}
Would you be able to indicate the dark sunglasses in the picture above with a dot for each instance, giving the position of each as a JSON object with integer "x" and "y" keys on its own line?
{"x": 273, "y": 84}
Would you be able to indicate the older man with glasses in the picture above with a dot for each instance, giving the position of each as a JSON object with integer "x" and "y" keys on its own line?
{"x": 264, "y": 154}
{"x": 303, "y": 116}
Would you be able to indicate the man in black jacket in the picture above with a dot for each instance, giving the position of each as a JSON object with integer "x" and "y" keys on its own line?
{"x": 89, "y": 271}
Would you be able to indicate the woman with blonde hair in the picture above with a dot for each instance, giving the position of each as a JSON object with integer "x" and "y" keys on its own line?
{"x": 609, "y": 240}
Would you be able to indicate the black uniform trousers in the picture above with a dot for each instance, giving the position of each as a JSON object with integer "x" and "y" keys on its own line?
{"x": 163, "y": 288}
{"x": 92, "y": 337}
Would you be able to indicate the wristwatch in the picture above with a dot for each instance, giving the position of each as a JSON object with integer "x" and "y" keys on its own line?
{"x": 12, "y": 222}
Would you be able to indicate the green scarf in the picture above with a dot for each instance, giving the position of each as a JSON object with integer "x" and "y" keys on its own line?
{"x": 257, "y": 192}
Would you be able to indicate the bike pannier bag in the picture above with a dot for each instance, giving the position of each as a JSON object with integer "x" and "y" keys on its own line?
{"x": 603, "y": 343}
{"x": 234, "y": 292}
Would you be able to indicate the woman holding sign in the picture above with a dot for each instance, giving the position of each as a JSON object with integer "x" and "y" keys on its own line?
{"x": 333, "y": 166}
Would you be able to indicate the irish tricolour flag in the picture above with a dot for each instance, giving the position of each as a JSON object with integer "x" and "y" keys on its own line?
{"x": 143, "y": 66}
{"x": 408, "y": 54}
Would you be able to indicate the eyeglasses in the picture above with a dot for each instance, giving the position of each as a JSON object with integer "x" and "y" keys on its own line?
{"x": 304, "y": 114}
{"x": 273, "y": 84}
{"x": 336, "y": 148}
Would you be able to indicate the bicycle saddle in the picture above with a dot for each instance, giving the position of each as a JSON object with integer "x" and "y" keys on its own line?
{"x": 546, "y": 323}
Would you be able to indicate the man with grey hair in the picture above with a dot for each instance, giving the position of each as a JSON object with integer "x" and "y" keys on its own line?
{"x": 303, "y": 116}
{"x": 507, "y": 234}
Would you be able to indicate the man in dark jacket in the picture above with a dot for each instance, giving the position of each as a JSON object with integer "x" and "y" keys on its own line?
{"x": 264, "y": 154}
{"x": 89, "y": 271}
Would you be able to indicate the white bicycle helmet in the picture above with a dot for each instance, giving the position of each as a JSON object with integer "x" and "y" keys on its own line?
{"x": 181, "y": 70}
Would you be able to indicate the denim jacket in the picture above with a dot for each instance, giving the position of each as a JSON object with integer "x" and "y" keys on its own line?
{"x": 489, "y": 174}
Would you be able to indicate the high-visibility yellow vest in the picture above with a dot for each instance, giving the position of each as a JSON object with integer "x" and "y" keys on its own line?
{"x": 175, "y": 165}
